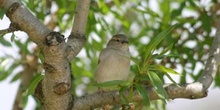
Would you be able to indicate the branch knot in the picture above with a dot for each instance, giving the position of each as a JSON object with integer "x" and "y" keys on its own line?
{"x": 54, "y": 38}
{"x": 61, "y": 88}
{"x": 13, "y": 8}
{"x": 50, "y": 68}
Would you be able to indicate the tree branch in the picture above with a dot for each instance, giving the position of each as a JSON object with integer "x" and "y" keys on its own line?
{"x": 194, "y": 90}
{"x": 25, "y": 20}
{"x": 213, "y": 61}
{"x": 13, "y": 27}
{"x": 56, "y": 85}
{"x": 189, "y": 91}
{"x": 77, "y": 37}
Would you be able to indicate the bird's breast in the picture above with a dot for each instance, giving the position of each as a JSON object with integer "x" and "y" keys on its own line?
{"x": 115, "y": 66}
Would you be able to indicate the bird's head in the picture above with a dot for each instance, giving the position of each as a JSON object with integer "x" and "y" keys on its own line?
{"x": 118, "y": 41}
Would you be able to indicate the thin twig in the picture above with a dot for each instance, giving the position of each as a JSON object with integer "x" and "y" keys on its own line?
{"x": 77, "y": 37}
{"x": 13, "y": 27}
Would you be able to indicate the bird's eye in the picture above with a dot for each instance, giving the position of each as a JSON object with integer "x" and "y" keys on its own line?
{"x": 117, "y": 40}
{"x": 126, "y": 42}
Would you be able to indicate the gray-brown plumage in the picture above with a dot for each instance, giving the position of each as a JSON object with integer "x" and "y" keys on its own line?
{"x": 114, "y": 60}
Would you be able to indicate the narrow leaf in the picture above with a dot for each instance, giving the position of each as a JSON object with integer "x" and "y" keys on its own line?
{"x": 158, "y": 85}
{"x": 5, "y": 42}
{"x": 19, "y": 44}
{"x": 41, "y": 56}
{"x": 142, "y": 78}
{"x": 24, "y": 100}
{"x": 170, "y": 78}
{"x": 156, "y": 40}
{"x": 3, "y": 73}
{"x": 167, "y": 49}
{"x": 16, "y": 77}
{"x": 143, "y": 93}
{"x": 2, "y": 13}
{"x": 6, "y": 72}
{"x": 12, "y": 37}
{"x": 123, "y": 97}
{"x": 34, "y": 84}
{"x": 159, "y": 56}
{"x": 166, "y": 70}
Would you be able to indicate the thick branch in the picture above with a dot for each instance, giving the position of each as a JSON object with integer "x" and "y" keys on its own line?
{"x": 77, "y": 37}
{"x": 189, "y": 91}
{"x": 56, "y": 85}
{"x": 80, "y": 20}
{"x": 25, "y": 20}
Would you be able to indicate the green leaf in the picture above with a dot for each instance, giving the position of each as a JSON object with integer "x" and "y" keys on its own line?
{"x": 104, "y": 24}
{"x": 12, "y": 37}
{"x": 148, "y": 11}
{"x": 16, "y": 77}
{"x": 19, "y": 44}
{"x": 192, "y": 3}
{"x": 142, "y": 77}
{"x": 170, "y": 78}
{"x": 131, "y": 92}
{"x": 166, "y": 70}
{"x": 217, "y": 77}
{"x": 206, "y": 23}
{"x": 41, "y": 56}
{"x": 159, "y": 56}
{"x": 136, "y": 63}
{"x": 104, "y": 8}
{"x": 155, "y": 42}
{"x": 178, "y": 11}
{"x": 165, "y": 8}
{"x": 158, "y": 85}
{"x": 123, "y": 97}
{"x": 2, "y": 13}
{"x": 5, "y": 42}
{"x": 167, "y": 49}
{"x": 24, "y": 100}
{"x": 143, "y": 93}
{"x": 34, "y": 83}
{"x": 5, "y": 73}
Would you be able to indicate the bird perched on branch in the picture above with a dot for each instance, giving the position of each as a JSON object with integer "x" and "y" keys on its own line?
{"x": 114, "y": 60}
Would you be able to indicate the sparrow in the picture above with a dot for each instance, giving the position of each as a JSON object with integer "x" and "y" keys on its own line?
{"x": 114, "y": 60}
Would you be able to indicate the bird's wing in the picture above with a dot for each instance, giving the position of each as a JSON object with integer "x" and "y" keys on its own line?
{"x": 103, "y": 55}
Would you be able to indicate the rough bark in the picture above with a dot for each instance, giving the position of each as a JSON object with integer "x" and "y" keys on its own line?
{"x": 56, "y": 84}
{"x": 25, "y": 20}
{"x": 77, "y": 37}
{"x": 188, "y": 91}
